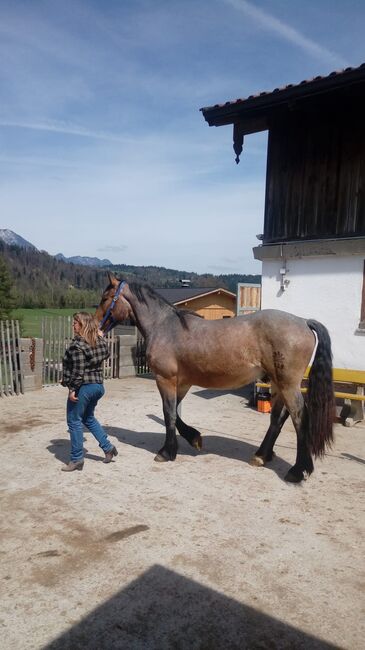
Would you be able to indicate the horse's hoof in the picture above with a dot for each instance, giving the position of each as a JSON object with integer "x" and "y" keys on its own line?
{"x": 257, "y": 461}
{"x": 160, "y": 459}
{"x": 269, "y": 458}
{"x": 294, "y": 476}
{"x": 198, "y": 443}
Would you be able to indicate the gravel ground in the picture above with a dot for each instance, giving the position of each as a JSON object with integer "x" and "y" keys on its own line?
{"x": 203, "y": 553}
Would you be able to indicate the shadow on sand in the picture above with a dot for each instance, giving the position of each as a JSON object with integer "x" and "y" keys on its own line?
{"x": 60, "y": 448}
{"x": 152, "y": 441}
{"x": 163, "y": 610}
{"x": 208, "y": 393}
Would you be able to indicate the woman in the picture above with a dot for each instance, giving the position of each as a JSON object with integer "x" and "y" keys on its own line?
{"x": 83, "y": 376}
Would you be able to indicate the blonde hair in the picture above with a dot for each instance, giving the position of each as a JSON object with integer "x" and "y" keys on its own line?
{"x": 89, "y": 327}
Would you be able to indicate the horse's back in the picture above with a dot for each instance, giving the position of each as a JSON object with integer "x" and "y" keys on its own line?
{"x": 273, "y": 317}
{"x": 261, "y": 325}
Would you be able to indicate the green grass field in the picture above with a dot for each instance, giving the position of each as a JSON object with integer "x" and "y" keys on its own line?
{"x": 31, "y": 319}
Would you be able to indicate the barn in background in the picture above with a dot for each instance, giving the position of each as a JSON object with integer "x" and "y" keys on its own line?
{"x": 313, "y": 241}
{"x": 208, "y": 302}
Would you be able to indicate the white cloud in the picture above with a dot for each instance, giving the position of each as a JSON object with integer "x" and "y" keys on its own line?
{"x": 66, "y": 128}
{"x": 287, "y": 33}
{"x": 110, "y": 248}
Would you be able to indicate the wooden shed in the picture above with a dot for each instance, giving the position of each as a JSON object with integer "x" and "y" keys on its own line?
{"x": 209, "y": 303}
{"x": 313, "y": 241}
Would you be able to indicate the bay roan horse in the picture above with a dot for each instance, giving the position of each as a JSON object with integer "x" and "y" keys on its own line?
{"x": 184, "y": 350}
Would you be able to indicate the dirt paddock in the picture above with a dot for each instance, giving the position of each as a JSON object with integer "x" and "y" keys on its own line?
{"x": 203, "y": 553}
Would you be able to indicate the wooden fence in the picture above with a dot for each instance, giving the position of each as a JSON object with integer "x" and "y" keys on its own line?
{"x": 57, "y": 334}
{"x": 11, "y": 371}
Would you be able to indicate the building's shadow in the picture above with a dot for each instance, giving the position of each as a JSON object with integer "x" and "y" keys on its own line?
{"x": 163, "y": 610}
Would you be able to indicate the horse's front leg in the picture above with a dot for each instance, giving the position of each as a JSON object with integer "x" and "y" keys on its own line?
{"x": 167, "y": 388}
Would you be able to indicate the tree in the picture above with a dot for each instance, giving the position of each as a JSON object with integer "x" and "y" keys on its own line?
{"x": 6, "y": 296}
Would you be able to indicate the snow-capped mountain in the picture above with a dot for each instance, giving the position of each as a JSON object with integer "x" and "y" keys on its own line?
{"x": 10, "y": 238}
{"x": 85, "y": 261}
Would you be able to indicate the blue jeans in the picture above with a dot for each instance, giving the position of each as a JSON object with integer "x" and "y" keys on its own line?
{"x": 82, "y": 413}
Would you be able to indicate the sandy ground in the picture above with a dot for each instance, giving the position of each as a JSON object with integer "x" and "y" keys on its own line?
{"x": 203, "y": 553}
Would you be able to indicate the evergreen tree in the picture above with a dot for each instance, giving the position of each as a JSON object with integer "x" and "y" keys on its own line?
{"x": 6, "y": 297}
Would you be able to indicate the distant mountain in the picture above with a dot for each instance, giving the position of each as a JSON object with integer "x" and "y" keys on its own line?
{"x": 43, "y": 280}
{"x": 10, "y": 238}
{"x": 84, "y": 261}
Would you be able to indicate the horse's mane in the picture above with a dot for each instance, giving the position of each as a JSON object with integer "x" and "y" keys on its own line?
{"x": 142, "y": 291}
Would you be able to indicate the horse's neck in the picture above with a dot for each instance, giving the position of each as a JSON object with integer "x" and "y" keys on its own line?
{"x": 143, "y": 324}
{"x": 147, "y": 312}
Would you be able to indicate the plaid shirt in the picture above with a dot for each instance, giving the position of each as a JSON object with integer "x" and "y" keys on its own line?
{"x": 83, "y": 364}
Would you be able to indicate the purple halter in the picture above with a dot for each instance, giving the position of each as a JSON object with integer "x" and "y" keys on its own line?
{"x": 109, "y": 313}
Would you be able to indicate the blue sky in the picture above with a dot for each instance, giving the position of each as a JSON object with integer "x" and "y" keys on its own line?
{"x": 103, "y": 150}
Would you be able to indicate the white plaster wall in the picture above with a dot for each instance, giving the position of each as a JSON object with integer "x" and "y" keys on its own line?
{"x": 328, "y": 290}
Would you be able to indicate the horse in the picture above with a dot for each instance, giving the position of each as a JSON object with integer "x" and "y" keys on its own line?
{"x": 183, "y": 350}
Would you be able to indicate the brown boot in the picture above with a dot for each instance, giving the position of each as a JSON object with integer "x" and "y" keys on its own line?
{"x": 109, "y": 455}
{"x": 72, "y": 466}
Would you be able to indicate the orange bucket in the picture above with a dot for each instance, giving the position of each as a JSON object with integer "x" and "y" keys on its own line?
{"x": 264, "y": 405}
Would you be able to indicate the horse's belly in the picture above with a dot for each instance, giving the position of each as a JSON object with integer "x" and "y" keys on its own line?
{"x": 222, "y": 379}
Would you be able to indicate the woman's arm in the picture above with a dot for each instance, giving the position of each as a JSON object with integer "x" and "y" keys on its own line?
{"x": 77, "y": 359}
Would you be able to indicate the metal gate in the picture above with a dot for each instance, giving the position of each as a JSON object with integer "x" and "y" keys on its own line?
{"x": 142, "y": 367}
{"x": 57, "y": 334}
{"x": 11, "y": 369}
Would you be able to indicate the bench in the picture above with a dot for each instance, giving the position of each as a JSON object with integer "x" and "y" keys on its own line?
{"x": 352, "y": 410}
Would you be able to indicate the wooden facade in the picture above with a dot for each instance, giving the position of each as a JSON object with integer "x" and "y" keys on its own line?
{"x": 315, "y": 178}
{"x": 315, "y": 186}
{"x": 210, "y": 303}
{"x": 212, "y": 306}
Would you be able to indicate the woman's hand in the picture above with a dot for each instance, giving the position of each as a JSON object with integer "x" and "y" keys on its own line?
{"x": 72, "y": 396}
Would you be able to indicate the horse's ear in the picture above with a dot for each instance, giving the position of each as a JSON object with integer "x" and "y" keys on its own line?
{"x": 112, "y": 279}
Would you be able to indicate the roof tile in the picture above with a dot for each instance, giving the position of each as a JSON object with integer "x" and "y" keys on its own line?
{"x": 305, "y": 82}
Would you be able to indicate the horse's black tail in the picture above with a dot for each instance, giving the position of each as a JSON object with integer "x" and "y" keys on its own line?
{"x": 320, "y": 398}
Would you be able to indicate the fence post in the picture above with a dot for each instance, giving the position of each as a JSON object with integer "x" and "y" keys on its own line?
{"x": 127, "y": 355}
{"x": 32, "y": 362}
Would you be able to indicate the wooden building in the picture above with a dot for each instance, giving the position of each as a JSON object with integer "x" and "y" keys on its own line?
{"x": 209, "y": 303}
{"x": 313, "y": 242}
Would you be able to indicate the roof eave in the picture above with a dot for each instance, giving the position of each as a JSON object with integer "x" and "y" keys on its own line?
{"x": 253, "y": 112}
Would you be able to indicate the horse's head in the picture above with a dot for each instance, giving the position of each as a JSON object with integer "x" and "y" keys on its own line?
{"x": 113, "y": 307}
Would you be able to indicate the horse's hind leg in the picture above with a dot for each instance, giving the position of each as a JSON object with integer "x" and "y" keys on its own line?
{"x": 279, "y": 414}
{"x": 294, "y": 402}
{"x": 167, "y": 388}
{"x": 190, "y": 434}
